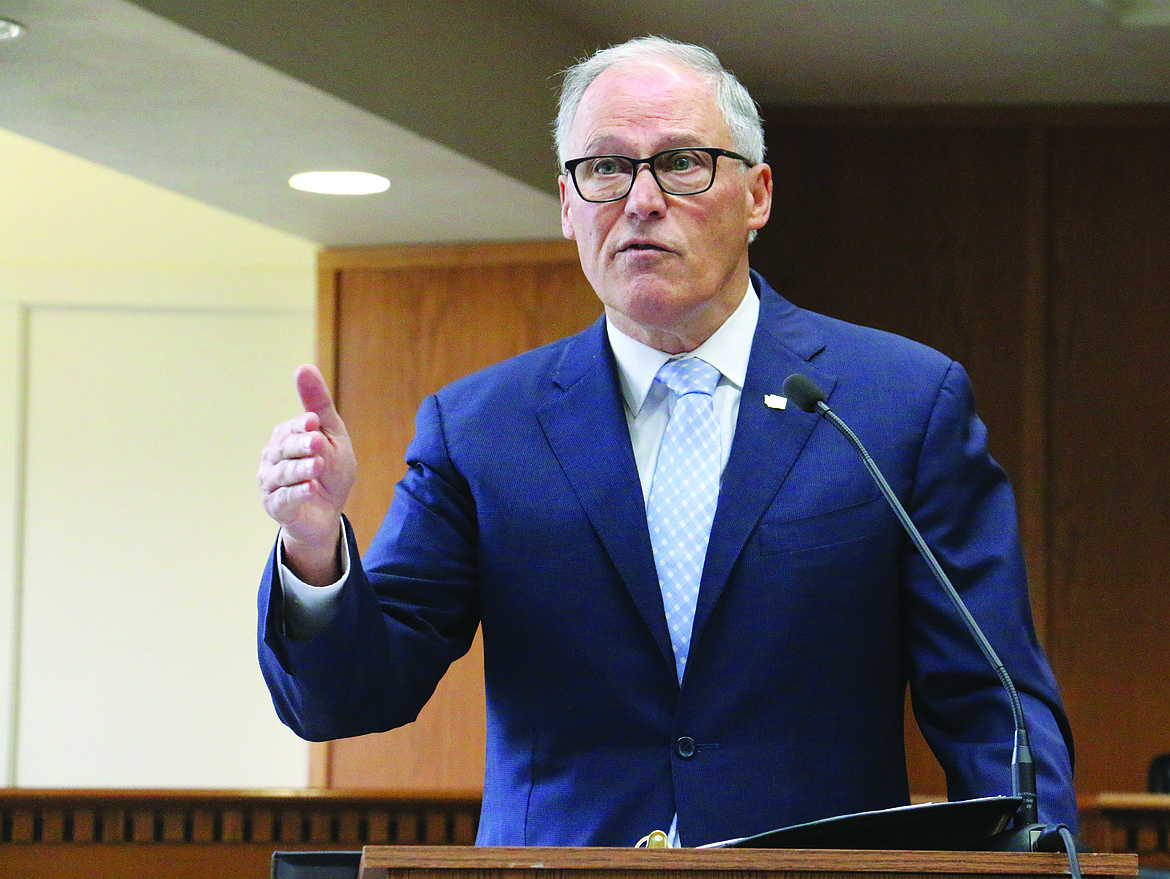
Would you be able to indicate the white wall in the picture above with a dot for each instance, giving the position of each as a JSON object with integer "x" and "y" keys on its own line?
{"x": 147, "y": 344}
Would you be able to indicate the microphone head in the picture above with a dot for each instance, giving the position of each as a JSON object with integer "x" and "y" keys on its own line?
{"x": 803, "y": 391}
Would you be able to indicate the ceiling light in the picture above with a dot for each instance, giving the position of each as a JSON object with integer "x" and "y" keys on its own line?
{"x": 339, "y": 182}
{"x": 10, "y": 30}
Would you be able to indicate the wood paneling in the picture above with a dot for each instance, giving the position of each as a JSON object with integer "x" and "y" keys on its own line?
{"x": 193, "y": 834}
{"x": 926, "y": 231}
{"x": 1110, "y": 432}
{"x": 920, "y": 230}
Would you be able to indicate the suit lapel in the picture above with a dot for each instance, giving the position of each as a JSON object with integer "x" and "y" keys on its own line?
{"x": 767, "y": 440}
{"x": 585, "y": 423}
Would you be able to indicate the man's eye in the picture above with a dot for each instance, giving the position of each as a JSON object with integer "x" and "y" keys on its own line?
{"x": 682, "y": 162}
{"x": 605, "y": 167}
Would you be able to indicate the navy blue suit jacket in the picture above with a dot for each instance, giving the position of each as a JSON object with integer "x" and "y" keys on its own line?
{"x": 522, "y": 511}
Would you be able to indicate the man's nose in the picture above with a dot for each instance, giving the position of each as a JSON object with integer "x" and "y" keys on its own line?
{"x": 646, "y": 197}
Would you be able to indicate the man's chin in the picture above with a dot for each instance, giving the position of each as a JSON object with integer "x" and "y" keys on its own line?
{"x": 653, "y": 308}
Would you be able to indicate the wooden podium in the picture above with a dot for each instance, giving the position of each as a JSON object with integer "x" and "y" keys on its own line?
{"x": 457, "y": 862}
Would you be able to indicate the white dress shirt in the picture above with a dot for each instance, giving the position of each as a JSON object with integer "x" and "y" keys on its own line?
{"x": 649, "y": 403}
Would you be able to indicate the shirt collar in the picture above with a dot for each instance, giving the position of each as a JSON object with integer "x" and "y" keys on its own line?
{"x": 727, "y": 350}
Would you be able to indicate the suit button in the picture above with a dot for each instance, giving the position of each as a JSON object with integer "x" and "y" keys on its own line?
{"x": 685, "y": 747}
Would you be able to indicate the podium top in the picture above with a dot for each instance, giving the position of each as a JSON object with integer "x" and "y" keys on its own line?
{"x": 470, "y": 862}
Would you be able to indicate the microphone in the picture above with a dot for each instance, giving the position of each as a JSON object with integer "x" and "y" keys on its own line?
{"x": 1029, "y": 834}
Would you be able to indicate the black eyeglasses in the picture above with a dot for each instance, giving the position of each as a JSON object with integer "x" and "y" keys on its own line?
{"x": 677, "y": 172}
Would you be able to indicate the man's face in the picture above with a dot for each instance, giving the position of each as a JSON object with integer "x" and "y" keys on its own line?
{"x": 669, "y": 269}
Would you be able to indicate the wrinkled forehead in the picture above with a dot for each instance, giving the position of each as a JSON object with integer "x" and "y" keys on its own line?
{"x": 648, "y": 102}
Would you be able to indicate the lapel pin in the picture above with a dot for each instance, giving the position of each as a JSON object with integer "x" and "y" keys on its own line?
{"x": 775, "y": 401}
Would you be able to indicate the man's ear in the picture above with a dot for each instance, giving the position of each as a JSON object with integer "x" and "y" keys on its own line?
{"x": 566, "y": 220}
{"x": 760, "y": 195}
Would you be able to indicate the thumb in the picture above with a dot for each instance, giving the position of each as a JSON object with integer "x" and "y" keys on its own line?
{"x": 315, "y": 397}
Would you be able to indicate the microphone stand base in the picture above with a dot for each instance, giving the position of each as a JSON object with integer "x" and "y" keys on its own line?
{"x": 1031, "y": 838}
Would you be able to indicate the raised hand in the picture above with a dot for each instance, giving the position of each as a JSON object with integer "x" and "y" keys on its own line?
{"x": 306, "y": 473}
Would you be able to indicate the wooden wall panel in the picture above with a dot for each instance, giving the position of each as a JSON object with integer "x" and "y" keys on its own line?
{"x": 409, "y": 321}
{"x": 1110, "y": 432}
{"x": 924, "y": 230}
{"x": 921, "y": 230}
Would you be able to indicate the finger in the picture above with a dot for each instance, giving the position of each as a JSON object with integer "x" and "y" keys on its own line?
{"x": 306, "y": 422}
{"x": 288, "y": 472}
{"x": 293, "y": 439}
{"x": 315, "y": 397}
{"x": 284, "y": 504}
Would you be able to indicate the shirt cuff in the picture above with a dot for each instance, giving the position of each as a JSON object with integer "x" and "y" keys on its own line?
{"x": 309, "y": 610}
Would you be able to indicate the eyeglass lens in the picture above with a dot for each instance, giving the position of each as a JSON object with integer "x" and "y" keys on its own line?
{"x": 678, "y": 172}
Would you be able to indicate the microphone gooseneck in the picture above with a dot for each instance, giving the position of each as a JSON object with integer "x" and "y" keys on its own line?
{"x": 805, "y": 393}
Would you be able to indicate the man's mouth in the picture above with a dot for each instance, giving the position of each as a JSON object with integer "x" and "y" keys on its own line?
{"x": 643, "y": 247}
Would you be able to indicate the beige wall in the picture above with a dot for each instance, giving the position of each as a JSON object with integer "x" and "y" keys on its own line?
{"x": 147, "y": 344}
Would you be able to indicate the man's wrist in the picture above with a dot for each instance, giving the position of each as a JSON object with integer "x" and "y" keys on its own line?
{"x": 309, "y": 609}
{"x": 313, "y": 563}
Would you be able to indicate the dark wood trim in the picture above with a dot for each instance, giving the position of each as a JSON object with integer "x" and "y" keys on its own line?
{"x": 320, "y": 818}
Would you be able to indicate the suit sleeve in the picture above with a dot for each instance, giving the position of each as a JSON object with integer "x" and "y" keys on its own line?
{"x": 406, "y": 612}
{"x": 964, "y": 506}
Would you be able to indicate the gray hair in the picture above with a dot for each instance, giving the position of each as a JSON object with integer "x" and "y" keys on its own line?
{"x": 738, "y": 109}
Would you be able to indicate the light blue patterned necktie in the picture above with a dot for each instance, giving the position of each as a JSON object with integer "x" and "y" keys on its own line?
{"x": 683, "y": 495}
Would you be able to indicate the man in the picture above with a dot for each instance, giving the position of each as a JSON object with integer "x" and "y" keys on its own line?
{"x": 745, "y": 676}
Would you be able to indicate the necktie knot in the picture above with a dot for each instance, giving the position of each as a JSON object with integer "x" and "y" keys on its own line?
{"x": 689, "y": 375}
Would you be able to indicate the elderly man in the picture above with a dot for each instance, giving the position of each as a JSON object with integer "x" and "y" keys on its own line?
{"x": 698, "y": 613}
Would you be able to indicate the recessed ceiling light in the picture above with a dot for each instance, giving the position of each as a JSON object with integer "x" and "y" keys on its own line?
{"x": 339, "y": 182}
{"x": 10, "y": 30}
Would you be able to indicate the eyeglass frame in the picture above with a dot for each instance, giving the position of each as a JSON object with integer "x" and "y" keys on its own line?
{"x": 714, "y": 152}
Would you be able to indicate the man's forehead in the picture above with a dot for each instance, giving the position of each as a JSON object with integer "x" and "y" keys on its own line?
{"x": 646, "y": 76}
{"x": 647, "y": 98}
